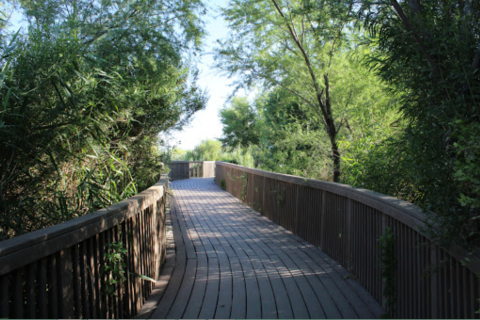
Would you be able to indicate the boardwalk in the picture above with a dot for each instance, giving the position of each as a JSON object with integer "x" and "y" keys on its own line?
{"x": 231, "y": 262}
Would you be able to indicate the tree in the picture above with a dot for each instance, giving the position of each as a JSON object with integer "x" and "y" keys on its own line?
{"x": 290, "y": 44}
{"x": 85, "y": 92}
{"x": 239, "y": 124}
{"x": 430, "y": 53}
{"x": 207, "y": 150}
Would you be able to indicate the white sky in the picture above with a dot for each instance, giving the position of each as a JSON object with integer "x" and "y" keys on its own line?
{"x": 206, "y": 123}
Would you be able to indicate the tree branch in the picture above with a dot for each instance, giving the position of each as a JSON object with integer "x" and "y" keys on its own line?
{"x": 409, "y": 27}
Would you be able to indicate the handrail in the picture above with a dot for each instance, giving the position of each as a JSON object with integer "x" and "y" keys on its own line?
{"x": 346, "y": 222}
{"x": 191, "y": 169}
{"x": 59, "y": 272}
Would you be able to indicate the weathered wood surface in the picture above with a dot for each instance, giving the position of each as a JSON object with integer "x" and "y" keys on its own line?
{"x": 59, "y": 272}
{"x": 231, "y": 262}
{"x": 347, "y": 223}
{"x": 191, "y": 169}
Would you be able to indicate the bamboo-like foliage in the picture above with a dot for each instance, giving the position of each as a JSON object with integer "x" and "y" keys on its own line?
{"x": 84, "y": 93}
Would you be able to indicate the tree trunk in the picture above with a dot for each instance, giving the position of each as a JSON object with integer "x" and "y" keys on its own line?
{"x": 336, "y": 160}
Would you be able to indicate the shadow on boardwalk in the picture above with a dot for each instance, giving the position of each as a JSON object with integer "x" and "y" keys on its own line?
{"x": 231, "y": 262}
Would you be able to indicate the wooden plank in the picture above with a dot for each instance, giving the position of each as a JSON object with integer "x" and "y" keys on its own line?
{"x": 298, "y": 305}
{"x": 269, "y": 307}
{"x": 160, "y": 287}
{"x": 198, "y": 293}
{"x": 173, "y": 287}
{"x": 224, "y": 304}
{"x": 293, "y": 242}
{"x": 211, "y": 294}
{"x": 239, "y": 295}
{"x": 357, "y": 296}
{"x": 313, "y": 305}
{"x": 263, "y": 279}
{"x": 328, "y": 296}
{"x": 178, "y": 307}
{"x": 284, "y": 308}
{"x": 258, "y": 231}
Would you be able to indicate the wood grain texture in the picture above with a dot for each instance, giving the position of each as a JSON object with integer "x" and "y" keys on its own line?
{"x": 347, "y": 223}
{"x": 233, "y": 262}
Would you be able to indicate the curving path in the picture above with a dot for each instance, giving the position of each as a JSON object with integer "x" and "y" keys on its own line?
{"x": 231, "y": 262}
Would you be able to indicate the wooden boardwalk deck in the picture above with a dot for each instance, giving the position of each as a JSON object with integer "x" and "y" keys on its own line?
{"x": 231, "y": 262}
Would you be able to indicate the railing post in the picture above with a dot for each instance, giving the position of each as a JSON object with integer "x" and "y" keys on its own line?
{"x": 384, "y": 229}
{"x": 263, "y": 197}
{"x": 65, "y": 284}
{"x": 295, "y": 219}
{"x": 433, "y": 283}
{"x": 4, "y": 297}
{"x": 348, "y": 252}
{"x": 322, "y": 220}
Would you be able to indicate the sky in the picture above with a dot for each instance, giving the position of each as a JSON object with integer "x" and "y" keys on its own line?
{"x": 206, "y": 123}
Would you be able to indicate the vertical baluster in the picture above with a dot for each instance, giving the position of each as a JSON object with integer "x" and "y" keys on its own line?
{"x": 145, "y": 252}
{"x": 461, "y": 299}
{"x": 117, "y": 295}
{"x": 65, "y": 283}
{"x": 410, "y": 273}
{"x": 136, "y": 264}
{"x": 52, "y": 286}
{"x": 369, "y": 249}
{"x": 84, "y": 279}
{"x": 103, "y": 277}
{"x": 90, "y": 243}
{"x": 423, "y": 304}
{"x": 133, "y": 265}
{"x": 446, "y": 285}
{"x": 42, "y": 289}
{"x": 4, "y": 296}
{"x": 127, "y": 301}
{"x": 465, "y": 288}
{"x": 77, "y": 296}
{"x": 451, "y": 292}
{"x": 475, "y": 294}
{"x": 30, "y": 291}
{"x": 150, "y": 247}
{"x": 140, "y": 258}
{"x": 416, "y": 270}
{"x": 121, "y": 237}
{"x": 142, "y": 251}
{"x": 17, "y": 293}
{"x": 97, "y": 275}
{"x": 109, "y": 300}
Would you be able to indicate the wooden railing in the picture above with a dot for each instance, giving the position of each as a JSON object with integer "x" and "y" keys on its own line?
{"x": 346, "y": 223}
{"x": 67, "y": 270}
{"x": 191, "y": 169}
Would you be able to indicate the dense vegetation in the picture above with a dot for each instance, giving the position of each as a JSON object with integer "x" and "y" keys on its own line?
{"x": 209, "y": 150}
{"x": 377, "y": 94}
{"x": 85, "y": 90}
